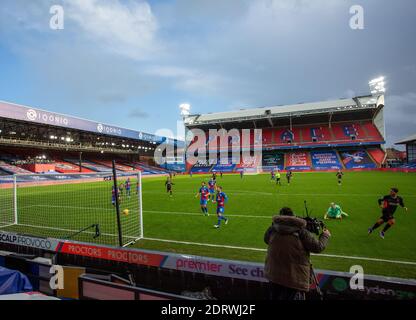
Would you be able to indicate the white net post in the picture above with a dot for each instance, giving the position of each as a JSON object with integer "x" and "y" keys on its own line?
{"x": 73, "y": 206}
{"x": 62, "y": 206}
{"x": 132, "y": 224}
{"x": 16, "y": 218}
{"x": 7, "y": 202}
{"x": 139, "y": 181}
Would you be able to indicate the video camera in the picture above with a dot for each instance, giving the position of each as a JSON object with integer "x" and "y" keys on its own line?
{"x": 313, "y": 225}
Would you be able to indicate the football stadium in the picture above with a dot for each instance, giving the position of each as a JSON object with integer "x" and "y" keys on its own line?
{"x": 58, "y": 174}
{"x": 256, "y": 196}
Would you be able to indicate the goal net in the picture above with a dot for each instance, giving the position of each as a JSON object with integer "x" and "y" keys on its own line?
{"x": 80, "y": 207}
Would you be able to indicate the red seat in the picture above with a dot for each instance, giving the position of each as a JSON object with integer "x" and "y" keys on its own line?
{"x": 377, "y": 154}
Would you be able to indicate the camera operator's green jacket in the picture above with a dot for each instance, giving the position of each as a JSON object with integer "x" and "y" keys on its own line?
{"x": 288, "y": 255}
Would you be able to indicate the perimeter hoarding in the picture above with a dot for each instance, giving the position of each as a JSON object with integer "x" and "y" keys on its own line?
{"x": 113, "y": 254}
{"x": 203, "y": 166}
{"x": 28, "y": 241}
{"x": 356, "y": 159}
{"x": 336, "y": 284}
{"x": 325, "y": 160}
{"x": 273, "y": 160}
{"x": 298, "y": 161}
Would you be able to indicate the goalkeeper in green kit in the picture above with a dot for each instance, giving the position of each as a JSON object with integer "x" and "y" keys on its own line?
{"x": 335, "y": 212}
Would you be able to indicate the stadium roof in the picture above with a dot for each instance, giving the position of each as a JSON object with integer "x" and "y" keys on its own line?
{"x": 322, "y": 107}
{"x": 38, "y": 116}
{"x": 412, "y": 138}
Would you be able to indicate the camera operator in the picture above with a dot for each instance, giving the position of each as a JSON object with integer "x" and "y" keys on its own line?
{"x": 288, "y": 266}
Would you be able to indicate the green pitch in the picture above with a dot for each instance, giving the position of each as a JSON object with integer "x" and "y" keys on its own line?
{"x": 254, "y": 199}
{"x": 178, "y": 225}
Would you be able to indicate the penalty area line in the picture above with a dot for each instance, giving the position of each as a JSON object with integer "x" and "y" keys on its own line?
{"x": 203, "y": 244}
{"x": 264, "y": 250}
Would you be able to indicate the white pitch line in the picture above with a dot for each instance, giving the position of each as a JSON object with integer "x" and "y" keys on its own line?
{"x": 7, "y": 225}
{"x": 264, "y": 250}
{"x": 67, "y": 207}
{"x": 149, "y": 211}
{"x": 319, "y": 194}
{"x": 240, "y": 192}
{"x": 204, "y": 244}
{"x": 69, "y": 230}
{"x": 254, "y": 193}
{"x": 201, "y": 214}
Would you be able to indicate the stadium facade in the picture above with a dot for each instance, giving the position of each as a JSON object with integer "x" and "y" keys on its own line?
{"x": 33, "y": 140}
{"x": 410, "y": 143}
{"x": 326, "y": 135}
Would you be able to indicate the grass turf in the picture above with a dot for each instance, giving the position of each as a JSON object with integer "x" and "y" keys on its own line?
{"x": 253, "y": 201}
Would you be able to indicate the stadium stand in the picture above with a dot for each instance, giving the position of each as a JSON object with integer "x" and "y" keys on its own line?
{"x": 12, "y": 169}
{"x": 378, "y": 155}
{"x": 34, "y": 140}
{"x": 267, "y": 136}
{"x": 67, "y": 167}
{"x": 149, "y": 169}
{"x": 90, "y": 165}
{"x": 346, "y": 133}
{"x": 372, "y": 131}
{"x": 3, "y": 173}
{"x": 318, "y": 134}
{"x": 119, "y": 167}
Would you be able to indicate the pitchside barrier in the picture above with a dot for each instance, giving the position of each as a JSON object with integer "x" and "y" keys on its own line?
{"x": 78, "y": 282}
{"x": 92, "y": 287}
{"x": 176, "y": 273}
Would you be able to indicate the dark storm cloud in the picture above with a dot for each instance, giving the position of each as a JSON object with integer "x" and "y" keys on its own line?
{"x": 400, "y": 116}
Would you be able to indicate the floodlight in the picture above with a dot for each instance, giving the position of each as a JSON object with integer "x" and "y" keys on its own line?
{"x": 185, "y": 109}
{"x": 377, "y": 86}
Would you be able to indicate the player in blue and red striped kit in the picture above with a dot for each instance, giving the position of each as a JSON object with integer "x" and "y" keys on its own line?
{"x": 127, "y": 185}
{"x": 221, "y": 200}
{"x": 113, "y": 195}
{"x": 204, "y": 194}
{"x": 211, "y": 187}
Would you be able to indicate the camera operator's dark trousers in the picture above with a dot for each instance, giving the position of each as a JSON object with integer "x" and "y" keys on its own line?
{"x": 278, "y": 292}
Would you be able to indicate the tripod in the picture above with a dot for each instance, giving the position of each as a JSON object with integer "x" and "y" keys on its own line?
{"x": 317, "y": 287}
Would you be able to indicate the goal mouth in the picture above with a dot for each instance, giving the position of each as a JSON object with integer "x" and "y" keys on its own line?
{"x": 79, "y": 207}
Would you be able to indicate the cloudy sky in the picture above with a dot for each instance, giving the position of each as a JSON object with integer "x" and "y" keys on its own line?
{"x": 131, "y": 62}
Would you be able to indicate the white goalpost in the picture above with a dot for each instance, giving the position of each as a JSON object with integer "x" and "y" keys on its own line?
{"x": 7, "y": 202}
{"x": 79, "y": 206}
